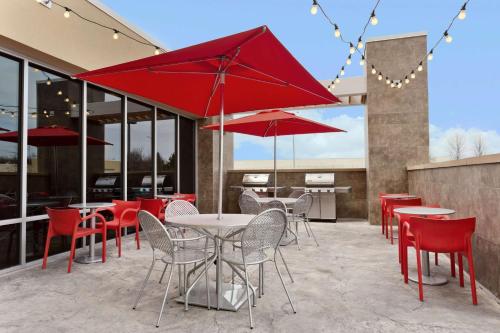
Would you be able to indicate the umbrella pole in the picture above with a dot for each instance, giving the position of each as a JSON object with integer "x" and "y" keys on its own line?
{"x": 275, "y": 170}
{"x": 221, "y": 145}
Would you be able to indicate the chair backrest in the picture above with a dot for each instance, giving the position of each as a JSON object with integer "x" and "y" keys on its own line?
{"x": 452, "y": 235}
{"x": 121, "y": 205}
{"x": 249, "y": 205}
{"x": 275, "y": 204}
{"x": 296, "y": 193}
{"x": 251, "y": 193}
{"x": 180, "y": 208}
{"x": 156, "y": 233}
{"x": 63, "y": 220}
{"x": 189, "y": 197}
{"x": 264, "y": 231}
{"x": 153, "y": 206}
{"x": 391, "y": 203}
{"x": 303, "y": 204}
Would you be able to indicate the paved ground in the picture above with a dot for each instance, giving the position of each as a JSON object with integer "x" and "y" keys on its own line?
{"x": 350, "y": 283}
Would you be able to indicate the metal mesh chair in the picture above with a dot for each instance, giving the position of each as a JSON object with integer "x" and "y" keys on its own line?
{"x": 300, "y": 213}
{"x": 249, "y": 204}
{"x": 251, "y": 193}
{"x": 259, "y": 243}
{"x": 296, "y": 194}
{"x": 169, "y": 253}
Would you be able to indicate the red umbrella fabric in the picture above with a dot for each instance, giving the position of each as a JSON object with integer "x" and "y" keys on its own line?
{"x": 3, "y": 129}
{"x": 51, "y": 136}
{"x": 260, "y": 74}
{"x": 275, "y": 122}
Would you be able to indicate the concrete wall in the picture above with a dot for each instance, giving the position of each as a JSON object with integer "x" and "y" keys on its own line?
{"x": 397, "y": 124}
{"x": 472, "y": 188}
{"x": 350, "y": 205}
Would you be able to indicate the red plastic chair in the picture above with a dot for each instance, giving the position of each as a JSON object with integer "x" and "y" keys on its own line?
{"x": 155, "y": 207}
{"x": 402, "y": 218}
{"x": 382, "y": 209}
{"x": 124, "y": 215}
{"x": 65, "y": 222}
{"x": 389, "y": 212}
{"x": 451, "y": 236}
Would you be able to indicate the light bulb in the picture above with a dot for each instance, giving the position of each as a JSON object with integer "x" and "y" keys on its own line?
{"x": 430, "y": 56}
{"x": 380, "y": 76}
{"x": 59, "y": 93}
{"x": 66, "y": 99}
{"x": 66, "y": 113}
{"x": 463, "y": 13}
{"x": 420, "y": 67}
{"x": 362, "y": 61}
{"x": 348, "y": 61}
{"x": 314, "y": 8}
{"x": 407, "y": 80}
{"x": 337, "y": 79}
{"x": 48, "y": 82}
{"x": 67, "y": 12}
{"x": 399, "y": 85}
{"x": 374, "y": 71}
{"x": 337, "y": 31}
{"x": 393, "y": 84}
{"x": 44, "y": 111}
{"x": 412, "y": 75}
{"x": 387, "y": 81}
{"x": 157, "y": 50}
{"x": 73, "y": 105}
{"x": 342, "y": 72}
{"x": 360, "y": 43}
{"x": 33, "y": 115}
{"x": 447, "y": 37}
{"x": 373, "y": 19}
{"x": 351, "y": 48}
{"x": 116, "y": 34}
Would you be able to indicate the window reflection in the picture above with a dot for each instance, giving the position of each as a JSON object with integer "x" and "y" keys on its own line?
{"x": 187, "y": 155}
{"x": 104, "y": 121}
{"x": 139, "y": 161}
{"x": 166, "y": 156}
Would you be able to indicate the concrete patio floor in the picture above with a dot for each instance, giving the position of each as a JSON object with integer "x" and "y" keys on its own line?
{"x": 350, "y": 283}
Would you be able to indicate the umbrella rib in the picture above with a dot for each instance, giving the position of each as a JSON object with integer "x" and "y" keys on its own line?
{"x": 214, "y": 88}
{"x": 181, "y": 72}
{"x": 271, "y": 124}
{"x": 257, "y": 80}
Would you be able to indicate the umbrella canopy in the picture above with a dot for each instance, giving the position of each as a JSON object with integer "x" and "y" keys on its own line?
{"x": 51, "y": 136}
{"x": 3, "y": 129}
{"x": 274, "y": 123}
{"x": 260, "y": 74}
{"x": 247, "y": 71}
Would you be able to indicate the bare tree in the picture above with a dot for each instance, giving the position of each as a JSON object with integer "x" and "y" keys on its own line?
{"x": 456, "y": 145}
{"x": 478, "y": 146}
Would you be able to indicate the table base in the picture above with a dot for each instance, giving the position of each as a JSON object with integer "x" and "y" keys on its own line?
{"x": 232, "y": 298}
{"x": 87, "y": 259}
{"x": 433, "y": 280}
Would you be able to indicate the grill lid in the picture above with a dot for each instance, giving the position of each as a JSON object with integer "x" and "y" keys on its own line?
{"x": 255, "y": 179}
{"x": 320, "y": 179}
{"x": 106, "y": 181}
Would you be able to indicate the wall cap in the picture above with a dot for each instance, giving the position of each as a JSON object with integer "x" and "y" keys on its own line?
{"x": 487, "y": 159}
{"x": 295, "y": 170}
{"x": 398, "y": 36}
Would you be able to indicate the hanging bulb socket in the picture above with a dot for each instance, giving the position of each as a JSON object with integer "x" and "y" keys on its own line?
{"x": 420, "y": 67}
{"x": 337, "y": 31}
{"x": 373, "y": 18}
{"x": 360, "y": 43}
{"x": 348, "y": 61}
{"x": 351, "y": 48}
{"x": 380, "y": 77}
{"x": 337, "y": 79}
{"x": 362, "y": 61}
{"x": 407, "y": 80}
{"x": 48, "y": 82}
{"x": 430, "y": 56}
{"x": 374, "y": 71}
{"x": 314, "y": 7}
{"x": 463, "y": 12}
{"x": 447, "y": 37}
{"x": 157, "y": 50}
{"x": 412, "y": 74}
{"x": 116, "y": 34}
{"x": 67, "y": 12}
{"x": 387, "y": 81}
{"x": 342, "y": 71}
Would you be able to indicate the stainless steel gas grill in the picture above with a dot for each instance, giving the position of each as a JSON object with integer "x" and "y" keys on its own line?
{"x": 322, "y": 187}
{"x": 260, "y": 183}
{"x": 106, "y": 187}
{"x": 146, "y": 188}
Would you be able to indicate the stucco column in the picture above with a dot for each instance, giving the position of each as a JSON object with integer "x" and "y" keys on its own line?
{"x": 397, "y": 119}
{"x": 208, "y": 165}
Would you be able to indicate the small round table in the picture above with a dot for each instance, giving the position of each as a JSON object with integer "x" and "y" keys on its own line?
{"x": 286, "y": 201}
{"x": 427, "y": 278}
{"x": 93, "y": 207}
{"x": 228, "y": 296}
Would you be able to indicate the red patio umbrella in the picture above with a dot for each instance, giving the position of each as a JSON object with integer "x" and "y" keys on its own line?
{"x": 248, "y": 71}
{"x": 274, "y": 123}
{"x": 51, "y": 136}
{"x": 3, "y": 129}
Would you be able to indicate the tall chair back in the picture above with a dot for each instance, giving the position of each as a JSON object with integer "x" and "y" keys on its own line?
{"x": 63, "y": 221}
{"x": 156, "y": 233}
{"x": 296, "y": 193}
{"x": 154, "y": 206}
{"x": 249, "y": 204}
{"x": 122, "y": 205}
{"x": 251, "y": 193}
{"x": 275, "y": 204}
{"x": 264, "y": 232}
{"x": 303, "y": 204}
{"x": 180, "y": 208}
{"x": 391, "y": 203}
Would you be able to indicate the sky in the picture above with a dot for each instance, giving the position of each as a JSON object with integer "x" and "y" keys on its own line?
{"x": 464, "y": 76}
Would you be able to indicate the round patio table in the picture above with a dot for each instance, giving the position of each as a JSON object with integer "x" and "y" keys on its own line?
{"x": 427, "y": 278}
{"x": 92, "y": 257}
{"x": 225, "y": 296}
{"x": 286, "y": 201}
{"x": 169, "y": 196}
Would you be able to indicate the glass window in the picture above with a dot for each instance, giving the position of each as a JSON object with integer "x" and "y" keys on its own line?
{"x": 54, "y": 164}
{"x": 104, "y": 148}
{"x": 187, "y": 128}
{"x": 166, "y": 157}
{"x": 139, "y": 158}
{"x": 9, "y": 166}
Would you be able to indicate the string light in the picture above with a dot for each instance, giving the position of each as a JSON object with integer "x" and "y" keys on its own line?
{"x": 380, "y": 77}
{"x": 48, "y": 82}
{"x": 157, "y": 50}
{"x": 337, "y": 31}
{"x": 362, "y": 61}
{"x": 59, "y": 93}
{"x": 337, "y": 79}
{"x": 351, "y": 48}
{"x": 67, "y": 12}
{"x": 407, "y": 80}
{"x": 463, "y": 12}
{"x": 348, "y": 61}
{"x": 420, "y": 67}
{"x": 373, "y": 18}
{"x": 116, "y": 34}
{"x": 387, "y": 81}
{"x": 314, "y": 8}
{"x": 342, "y": 71}
{"x": 374, "y": 71}
{"x": 393, "y": 84}
{"x": 430, "y": 56}
{"x": 360, "y": 43}
{"x": 412, "y": 75}
{"x": 66, "y": 99}
{"x": 447, "y": 37}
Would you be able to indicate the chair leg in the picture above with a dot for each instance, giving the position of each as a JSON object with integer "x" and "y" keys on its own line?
{"x": 472, "y": 276}
{"x": 419, "y": 270}
{"x": 286, "y": 265}
{"x": 452, "y": 263}
{"x": 46, "y": 252}
{"x": 382, "y": 221}
{"x": 461, "y": 270}
{"x": 306, "y": 222}
{"x": 104, "y": 241}
{"x": 72, "y": 253}
{"x": 436, "y": 259}
{"x": 166, "y": 294}
{"x": 163, "y": 273}
{"x": 284, "y": 286}
{"x": 405, "y": 262}
{"x": 392, "y": 234}
{"x": 247, "y": 284}
{"x": 144, "y": 284}
{"x": 119, "y": 242}
{"x": 137, "y": 238}
{"x": 260, "y": 280}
